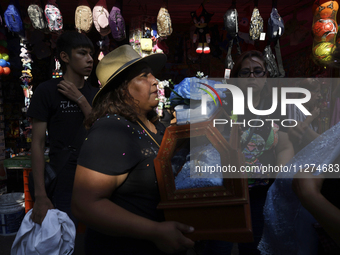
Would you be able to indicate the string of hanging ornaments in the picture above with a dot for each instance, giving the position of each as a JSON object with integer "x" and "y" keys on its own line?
{"x": 325, "y": 29}
{"x": 4, "y": 58}
{"x": 26, "y": 74}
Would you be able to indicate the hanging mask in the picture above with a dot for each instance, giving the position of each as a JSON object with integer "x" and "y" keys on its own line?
{"x": 275, "y": 26}
{"x": 231, "y": 22}
{"x": 256, "y": 25}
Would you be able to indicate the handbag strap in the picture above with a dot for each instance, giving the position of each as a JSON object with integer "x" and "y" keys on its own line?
{"x": 153, "y": 139}
{"x": 279, "y": 59}
{"x": 274, "y": 4}
{"x": 252, "y": 129}
{"x": 230, "y": 47}
{"x": 229, "y": 52}
{"x": 238, "y": 48}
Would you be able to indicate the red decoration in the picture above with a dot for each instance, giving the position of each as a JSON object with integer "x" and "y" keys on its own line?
{"x": 324, "y": 30}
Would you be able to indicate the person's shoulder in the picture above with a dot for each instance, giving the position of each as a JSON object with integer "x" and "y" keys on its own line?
{"x": 51, "y": 82}
{"x": 113, "y": 129}
{"x": 90, "y": 85}
{"x": 46, "y": 91}
{"x": 44, "y": 99}
{"x": 113, "y": 122}
{"x": 48, "y": 85}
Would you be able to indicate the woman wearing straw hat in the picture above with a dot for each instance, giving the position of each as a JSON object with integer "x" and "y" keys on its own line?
{"x": 115, "y": 189}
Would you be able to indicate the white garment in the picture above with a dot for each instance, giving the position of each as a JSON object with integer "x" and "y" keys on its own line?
{"x": 288, "y": 225}
{"x": 56, "y": 235}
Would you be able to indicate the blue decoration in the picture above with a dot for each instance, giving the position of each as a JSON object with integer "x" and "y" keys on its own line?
{"x": 3, "y": 63}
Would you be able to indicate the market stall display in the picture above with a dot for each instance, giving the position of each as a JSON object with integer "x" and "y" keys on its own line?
{"x": 288, "y": 33}
{"x": 325, "y": 29}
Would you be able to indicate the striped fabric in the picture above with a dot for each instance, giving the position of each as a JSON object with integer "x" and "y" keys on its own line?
{"x": 296, "y": 114}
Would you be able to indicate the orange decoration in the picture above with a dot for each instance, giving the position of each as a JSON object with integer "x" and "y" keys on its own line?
{"x": 6, "y": 70}
{"x": 325, "y": 8}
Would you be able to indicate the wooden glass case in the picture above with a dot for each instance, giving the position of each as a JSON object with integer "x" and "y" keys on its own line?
{"x": 216, "y": 212}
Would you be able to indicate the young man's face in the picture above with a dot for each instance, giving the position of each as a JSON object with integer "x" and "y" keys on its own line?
{"x": 80, "y": 61}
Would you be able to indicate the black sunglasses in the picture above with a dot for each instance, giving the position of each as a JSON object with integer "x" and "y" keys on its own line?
{"x": 245, "y": 73}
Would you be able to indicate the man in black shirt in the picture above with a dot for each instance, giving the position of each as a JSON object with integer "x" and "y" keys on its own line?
{"x": 60, "y": 105}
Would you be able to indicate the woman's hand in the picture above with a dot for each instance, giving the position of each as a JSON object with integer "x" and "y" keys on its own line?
{"x": 169, "y": 237}
{"x": 41, "y": 206}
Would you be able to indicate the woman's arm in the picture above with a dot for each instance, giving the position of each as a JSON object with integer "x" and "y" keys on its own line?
{"x": 91, "y": 205}
{"x": 301, "y": 135}
{"x": 308, "y": 190}
{"x": 315, "y": 113}
{"x": 284, "y": 149}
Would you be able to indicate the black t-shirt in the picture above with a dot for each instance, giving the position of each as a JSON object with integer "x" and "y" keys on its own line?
{"x": 115, "y": 146}
{"x": 64, "y": 117}
{"x": 260, "y": 150}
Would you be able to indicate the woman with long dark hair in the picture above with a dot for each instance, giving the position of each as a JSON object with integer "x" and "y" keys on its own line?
{"x": 115, "y": 190}
{"x": 265, "y": 145}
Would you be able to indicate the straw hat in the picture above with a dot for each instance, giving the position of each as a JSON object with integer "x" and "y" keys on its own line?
{"x": 120, "y": 59}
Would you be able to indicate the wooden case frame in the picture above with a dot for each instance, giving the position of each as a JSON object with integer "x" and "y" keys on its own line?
{"x": 217, "y": 213}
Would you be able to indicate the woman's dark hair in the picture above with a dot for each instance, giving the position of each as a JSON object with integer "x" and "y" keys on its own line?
{"x": 70, "y": 40}
{"x": 118, "y": 101}
{"x": 266, "y": 91}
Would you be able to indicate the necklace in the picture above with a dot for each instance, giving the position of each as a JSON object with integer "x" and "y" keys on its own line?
{"x": 153, "y": 139}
